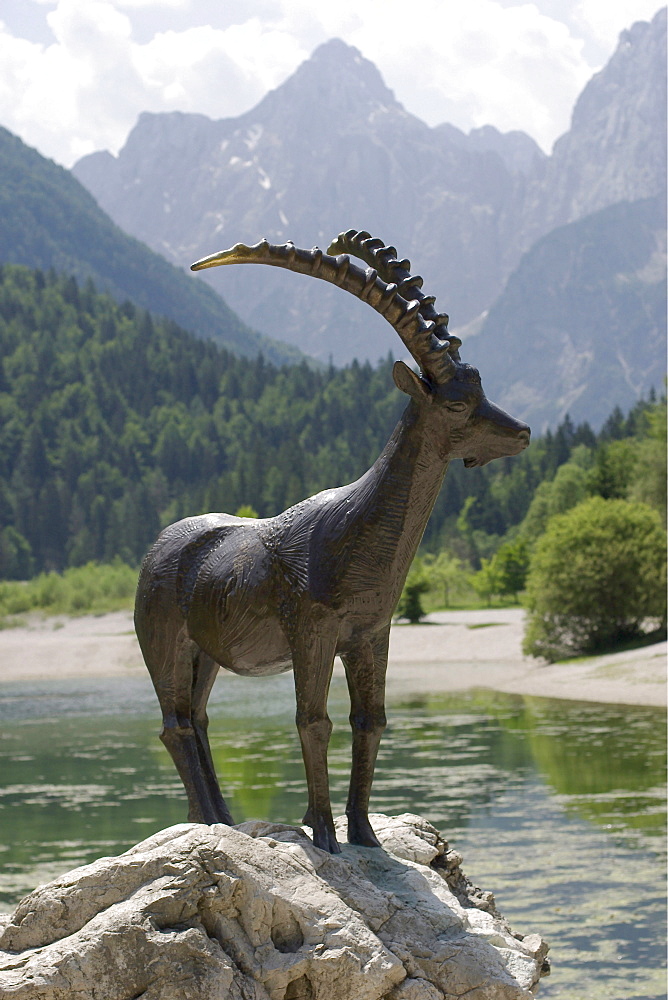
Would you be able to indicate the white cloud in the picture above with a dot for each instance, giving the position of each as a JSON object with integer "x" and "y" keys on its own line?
{"x": 604, "y": 19}
{"x": 470, "y": 62}
{"x": 483, "y": 63}
{"x": 134, "y": 4}
{"x": 217, "y": 72}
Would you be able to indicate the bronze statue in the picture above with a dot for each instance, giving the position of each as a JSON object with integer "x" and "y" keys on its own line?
{"x": 322, "y": 579}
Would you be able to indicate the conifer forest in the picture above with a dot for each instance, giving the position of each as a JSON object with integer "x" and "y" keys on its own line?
{"x": 116, "y": 423}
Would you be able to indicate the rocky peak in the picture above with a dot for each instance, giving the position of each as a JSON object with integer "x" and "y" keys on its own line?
{"x": 335, "y": 81}
{"x": 615, "y": 149}
{"x": 640, "y": 52}
{"x": 335, "y": 60}
{"x": 519, "y": 151}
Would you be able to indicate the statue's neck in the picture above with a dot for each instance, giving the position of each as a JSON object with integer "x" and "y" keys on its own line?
{"x": 397, "y": 494}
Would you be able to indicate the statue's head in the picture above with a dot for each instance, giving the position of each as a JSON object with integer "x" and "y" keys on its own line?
{"x": 470, "y": 425}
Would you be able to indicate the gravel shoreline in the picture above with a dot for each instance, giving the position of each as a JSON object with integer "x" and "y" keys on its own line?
{"x": 450, "y": 651}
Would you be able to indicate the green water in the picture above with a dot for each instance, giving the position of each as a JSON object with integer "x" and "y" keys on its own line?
{"x": 557, "y": 807}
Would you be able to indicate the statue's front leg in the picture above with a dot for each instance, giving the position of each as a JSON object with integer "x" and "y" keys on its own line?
{"x": 366, "y": 667}
{"x": 313, "y": 661}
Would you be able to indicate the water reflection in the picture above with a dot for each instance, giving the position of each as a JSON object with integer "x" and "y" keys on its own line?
{"x": 557, "y": 806}
{"x": 608, "y": 762}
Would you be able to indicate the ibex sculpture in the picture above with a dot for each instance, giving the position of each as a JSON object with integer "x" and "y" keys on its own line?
{"x": 322, "y": 579}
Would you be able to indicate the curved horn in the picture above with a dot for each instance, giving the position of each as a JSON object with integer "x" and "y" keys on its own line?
{"x": 417, "y": 333}
{"x": 384, "y": 258}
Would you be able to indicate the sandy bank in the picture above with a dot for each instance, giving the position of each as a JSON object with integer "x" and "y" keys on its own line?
{"x": 453, "y": 651}
{"x": 468, "y": 649}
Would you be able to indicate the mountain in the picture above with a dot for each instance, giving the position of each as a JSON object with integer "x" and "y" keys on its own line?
{"x": 329, "y": 149}
{"x": 520, "y": 153}
{"x": 49, "y": 220}
{"x": 615, "y": 149}
{"x": 332, "y": 148}
{"x": 581, "y": 323}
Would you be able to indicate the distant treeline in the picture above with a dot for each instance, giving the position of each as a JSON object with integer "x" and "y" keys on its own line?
{"x": 115, "y": 423}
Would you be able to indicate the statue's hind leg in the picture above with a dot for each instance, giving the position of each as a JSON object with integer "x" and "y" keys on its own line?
{"x": 170, "y": 657}
{"x": 205, "y": 670}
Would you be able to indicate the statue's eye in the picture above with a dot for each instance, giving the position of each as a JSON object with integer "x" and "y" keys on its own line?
{"x": 456, "y": 407}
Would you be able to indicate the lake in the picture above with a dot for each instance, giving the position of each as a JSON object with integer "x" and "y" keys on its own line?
{"x": 557, "y": 807}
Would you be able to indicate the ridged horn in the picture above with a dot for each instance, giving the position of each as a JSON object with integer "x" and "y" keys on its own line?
{"x": 384, "y": 258}
{"x": 404, "y": 315}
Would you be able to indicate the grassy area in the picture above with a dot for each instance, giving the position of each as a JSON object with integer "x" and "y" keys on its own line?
{"x": 470, "y": 602}
{"x": 97, "y": 588}
{"x": 89, "y": 589}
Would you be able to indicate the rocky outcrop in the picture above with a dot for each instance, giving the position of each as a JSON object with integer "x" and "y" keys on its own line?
{"x": 256, "y": 912}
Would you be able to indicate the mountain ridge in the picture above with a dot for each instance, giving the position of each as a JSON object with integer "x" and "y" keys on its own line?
{"x": 331, "y": 147}
{"x": 306, "y": 163}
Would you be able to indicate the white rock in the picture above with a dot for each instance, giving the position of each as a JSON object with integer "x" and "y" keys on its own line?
{"x": 256, "y": 912}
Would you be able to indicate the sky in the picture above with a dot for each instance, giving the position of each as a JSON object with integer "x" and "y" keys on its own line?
{"x": 76, "y": 74}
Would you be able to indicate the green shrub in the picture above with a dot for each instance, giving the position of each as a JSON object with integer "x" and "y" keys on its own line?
{"x": 486, "y": 582}
{"x": 596, "y": 575}
{"x": 417, "y": 583}
{"x": 246, "y": 510}
{"x": 448, "y": 577}
{"x": 90, "y": 589}
{"x": 504, "y": 575}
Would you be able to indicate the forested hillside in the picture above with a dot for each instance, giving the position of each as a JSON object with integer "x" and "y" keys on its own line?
{"x": 50, "y": 220}
{"x": 115, "y": 423}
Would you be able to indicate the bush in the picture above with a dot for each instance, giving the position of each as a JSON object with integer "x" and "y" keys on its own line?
{"x": 504, "y": 575}
{"x": 89, "y": 589}
{"x": 447, "y": 576}
{"x": 246, "y": 511}
{"x": 512, "y": 564}
{"x": 417, "y": 583}
{"x": 486, "y": 582}
{"x": 555, "y": 496}
{"x": 596, "y": 575}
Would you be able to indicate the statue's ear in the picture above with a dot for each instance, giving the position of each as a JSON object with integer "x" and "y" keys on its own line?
{"x": 410, "y": 383}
